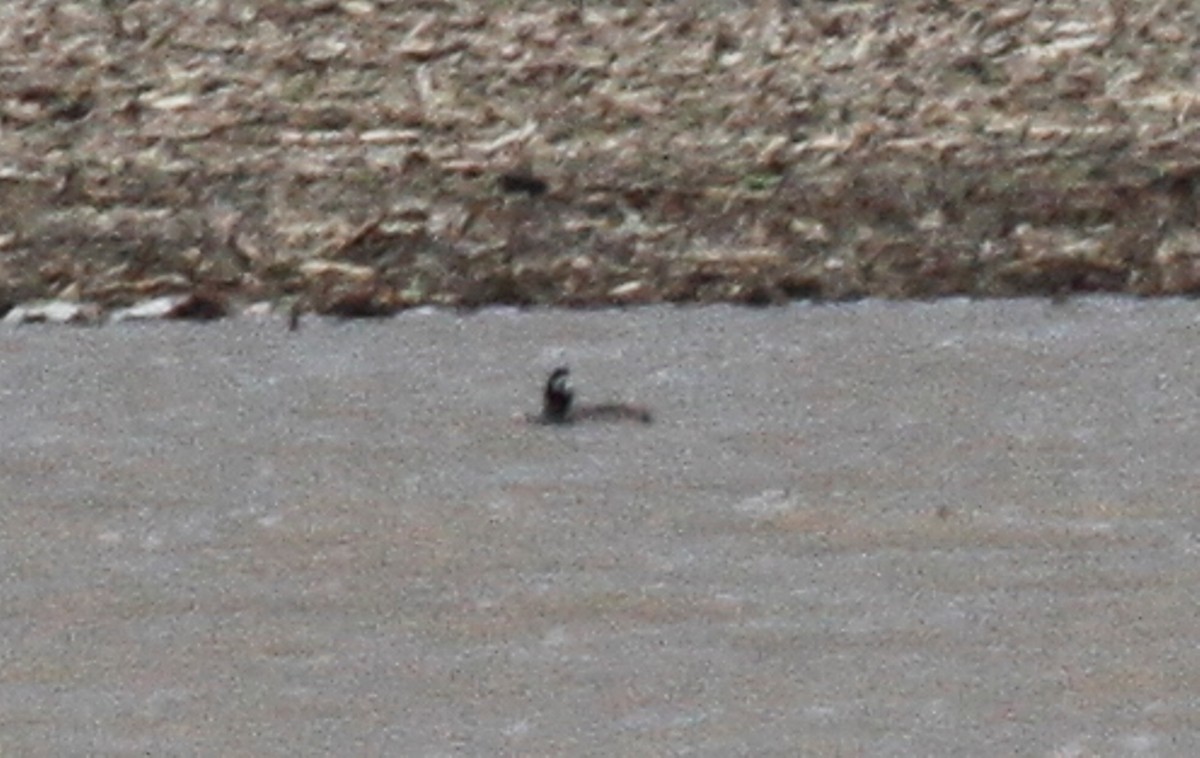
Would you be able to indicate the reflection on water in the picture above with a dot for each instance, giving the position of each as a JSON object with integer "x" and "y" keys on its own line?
{"x": 874, "y": 529}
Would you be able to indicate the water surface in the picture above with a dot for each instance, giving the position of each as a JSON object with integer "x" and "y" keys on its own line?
{"x": 961, "y": 528}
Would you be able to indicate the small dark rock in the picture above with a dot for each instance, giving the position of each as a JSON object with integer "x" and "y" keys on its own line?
{"x": 199, "y": 306}
{"x": 531, "y": 185}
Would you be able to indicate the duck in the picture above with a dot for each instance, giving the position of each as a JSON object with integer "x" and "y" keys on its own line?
{"x": 558, "y": 405}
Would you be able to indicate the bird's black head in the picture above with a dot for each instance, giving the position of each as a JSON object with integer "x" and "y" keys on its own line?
{"x": 556, "y": 401}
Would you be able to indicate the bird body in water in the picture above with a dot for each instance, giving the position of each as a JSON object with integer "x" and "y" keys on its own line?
{"x": 558, "y": 405}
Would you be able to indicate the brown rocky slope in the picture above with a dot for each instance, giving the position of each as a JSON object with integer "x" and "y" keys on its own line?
{"x": 361, "y": 156}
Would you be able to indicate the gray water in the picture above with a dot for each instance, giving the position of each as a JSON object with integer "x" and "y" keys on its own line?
{"x": 961, "y": 528}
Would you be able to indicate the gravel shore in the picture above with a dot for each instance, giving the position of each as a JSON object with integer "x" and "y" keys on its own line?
{"x": 364, "y": 156}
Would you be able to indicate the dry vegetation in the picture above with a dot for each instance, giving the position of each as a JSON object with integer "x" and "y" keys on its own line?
{"x": 360, "y": 156}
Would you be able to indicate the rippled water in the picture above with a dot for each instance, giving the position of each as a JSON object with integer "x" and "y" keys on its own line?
{"x": 961, "y": 528}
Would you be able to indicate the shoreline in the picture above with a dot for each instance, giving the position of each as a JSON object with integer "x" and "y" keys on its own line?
{"x": 206, "y": 309}
{"x": 359, "y": 159}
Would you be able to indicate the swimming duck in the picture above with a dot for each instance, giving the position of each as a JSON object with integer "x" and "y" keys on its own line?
{"x": 558, "y": 405}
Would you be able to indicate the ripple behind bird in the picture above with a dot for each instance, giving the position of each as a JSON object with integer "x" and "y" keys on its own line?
{"x": 558, "y": 405}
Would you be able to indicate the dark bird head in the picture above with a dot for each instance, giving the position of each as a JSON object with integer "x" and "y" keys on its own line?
{"x": 556, "y": 401}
